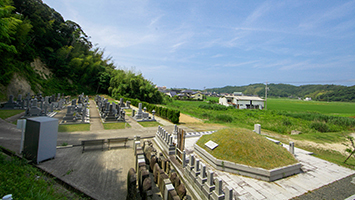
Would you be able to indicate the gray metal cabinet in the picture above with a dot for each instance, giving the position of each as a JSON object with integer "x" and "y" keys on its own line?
{"x": 40, "y": 138}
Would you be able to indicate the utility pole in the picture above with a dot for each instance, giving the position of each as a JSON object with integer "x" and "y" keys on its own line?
{"x": 266, "y": 89}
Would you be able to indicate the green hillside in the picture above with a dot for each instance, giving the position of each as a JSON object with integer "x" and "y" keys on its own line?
{"x": 316, "y": 92}
{"x": 32, "y": 31}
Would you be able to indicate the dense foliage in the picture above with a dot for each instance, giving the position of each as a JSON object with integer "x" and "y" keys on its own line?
{"x": 317, "y": 92}
{"x": 129, "y": 84}
{"x": 30, "y": 30}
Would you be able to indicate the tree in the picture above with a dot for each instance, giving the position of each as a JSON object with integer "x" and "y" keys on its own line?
{"x": 8, "y": 26}
{"x": 351, "y": 147}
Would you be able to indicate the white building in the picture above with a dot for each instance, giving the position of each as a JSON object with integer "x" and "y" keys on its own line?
{"x": 242, "y": 102}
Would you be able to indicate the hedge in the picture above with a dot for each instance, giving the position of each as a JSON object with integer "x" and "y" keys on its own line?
{"x": 166, "y": 113}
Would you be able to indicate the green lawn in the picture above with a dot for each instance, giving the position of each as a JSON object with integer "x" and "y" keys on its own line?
{"x": 73, "y": 127}
{"x": 8, "y": 113}
{"x": 150, "y": 124}
{"x": 26, "y": 182}
{"x": 118, "y": 125}
{"x": 248, "y": 148}
{"x": 330, "y": 108}
{"x": 128, "y": 112}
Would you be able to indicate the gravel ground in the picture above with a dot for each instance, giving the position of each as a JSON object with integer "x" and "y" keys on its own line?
{"x": 341, "y": 189}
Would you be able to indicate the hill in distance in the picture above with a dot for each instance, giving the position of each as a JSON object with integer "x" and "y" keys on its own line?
{"x": 316, "y": 92}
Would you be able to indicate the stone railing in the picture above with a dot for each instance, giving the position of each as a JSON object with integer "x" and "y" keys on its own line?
{"x": 165, "y": 141}
{"x": 204, "y": 183}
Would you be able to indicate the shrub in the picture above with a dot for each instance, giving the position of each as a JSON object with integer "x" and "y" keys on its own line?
{"x": 286, "y": 122}
{"x": 319, "y": 126}
{"x": 224, "y": 118}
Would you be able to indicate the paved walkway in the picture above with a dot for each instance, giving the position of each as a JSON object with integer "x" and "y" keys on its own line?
{"x": 316, "y": 173}
{"x": 95, "y": 119}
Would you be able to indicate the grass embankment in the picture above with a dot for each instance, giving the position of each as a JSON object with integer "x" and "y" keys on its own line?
{"x": 8, "y": 113}
{"x": 118, "y": 125}
{"x": 24, "y": 181}
{"x": 248, "y": 148}
{"x": 150, "y": 124}
{"x": 73, "y": 127}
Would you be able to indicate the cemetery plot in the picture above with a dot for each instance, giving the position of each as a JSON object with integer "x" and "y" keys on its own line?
{"x": 111, "y": 112}
{"x": 35, "y": 105}
{"x": 142, "y": 115}
{"x": 77, "y": 112}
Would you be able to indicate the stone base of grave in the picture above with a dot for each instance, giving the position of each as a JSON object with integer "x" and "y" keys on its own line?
{"x": 215, "y": 196}
{"x": 120, "y": 119}
{"x": 207, "y": 190}
{"x": 200, "y": 181}
{"x": 194, "y": 174}
{"x": 69, "y": 118}
{"x": 145, "y": 120}
{"x": 110, "y": 118}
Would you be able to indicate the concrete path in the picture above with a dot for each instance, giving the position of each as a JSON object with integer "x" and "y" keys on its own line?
{"x": 95, "y": 119}
{"x": 316, "y": 173}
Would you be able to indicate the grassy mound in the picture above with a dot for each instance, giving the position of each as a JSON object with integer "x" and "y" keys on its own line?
{"x": 248, "y": 148}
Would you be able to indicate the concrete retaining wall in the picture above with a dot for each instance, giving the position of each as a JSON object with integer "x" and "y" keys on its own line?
{"x": 258, "y": 173}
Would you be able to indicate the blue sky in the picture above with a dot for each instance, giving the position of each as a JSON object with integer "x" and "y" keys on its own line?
{"x": 197, "y": 44}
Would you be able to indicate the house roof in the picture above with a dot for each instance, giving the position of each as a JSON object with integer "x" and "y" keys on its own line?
{"x": 246, "y": 98}
{"x": 187, "y": 91}
{"x": 172, "y": 93}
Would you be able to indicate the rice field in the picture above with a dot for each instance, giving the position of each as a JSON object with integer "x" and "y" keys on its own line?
{"x": 345, "y": 109}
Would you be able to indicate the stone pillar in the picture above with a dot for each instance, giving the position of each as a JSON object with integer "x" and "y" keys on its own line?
{"x": 292, "y": 148}
{"x": 210, "y": 177}
{"x": 257, "y": 128}
{"x": 228, "y": 193}
{"x": 196, "y": 170}
{"x": 171, "y": 140}
{"x": 192, "y": 161}
{"x": 208, "y": 187}
{"x": 217, "y": 194}
{"x": 140, "y": 108}
{"x": 183, "y": 159}
{"x": 175, "y": 129}
{"x": 136, "y": 143}
{"x": 202, "y": 178}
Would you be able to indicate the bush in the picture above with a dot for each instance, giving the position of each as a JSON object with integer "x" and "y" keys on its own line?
{"x": 213, "y": 107}
{"x": 286, "y": 122}
{"x": 224, "y": 118}
{"x": 319, "y": 126}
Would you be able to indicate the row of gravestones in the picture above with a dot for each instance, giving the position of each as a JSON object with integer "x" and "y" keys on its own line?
{"x": 204, "y": 182}
{"x": 111, "y": 112}
{"x": 27, "y": 102}
{"x": 39, "y": 106}
{"x": 77, "y": 112}
{"x": 166, "y": 179}
{"x": 165, "y": 140}
{"x": 195, "y": 171}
